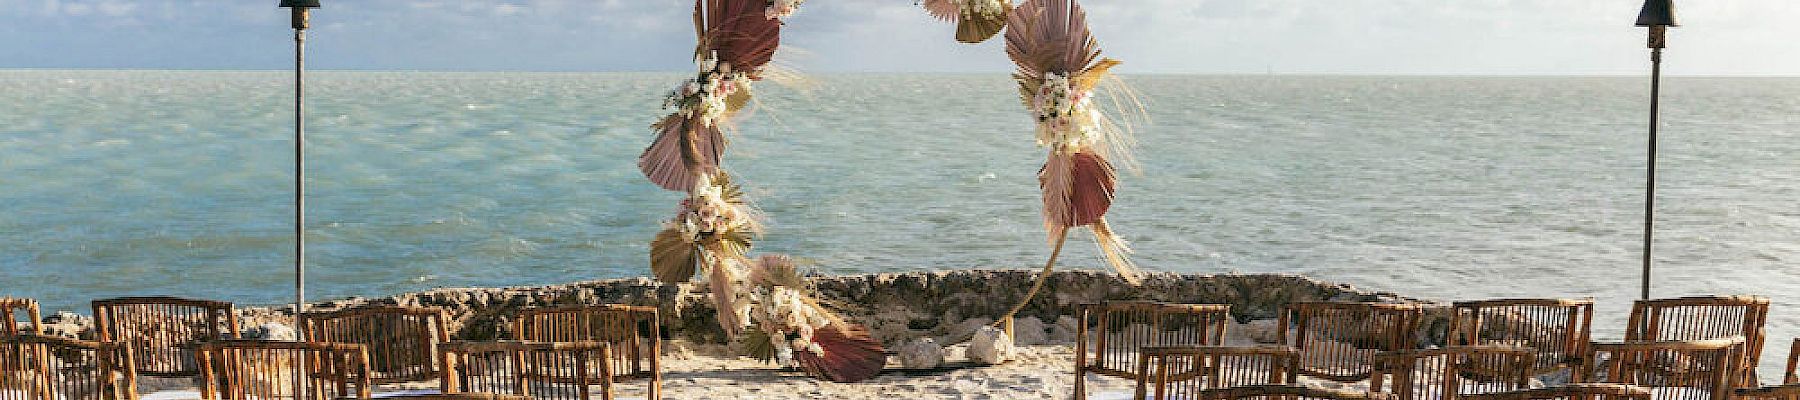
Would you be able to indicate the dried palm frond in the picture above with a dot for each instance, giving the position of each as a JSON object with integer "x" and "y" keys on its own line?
{"x": 757, "y": 345}
{"x": 672, "y": 258}
{"x": 776, "y": 270}
{"x": 723, "y": 279}
{"x": 971, "y": 27}
{"x": 683, "y": 150}
{"x": 850, "y": 354}
{"x": 1045, "y": 36}
{"x": 738, "y": 31}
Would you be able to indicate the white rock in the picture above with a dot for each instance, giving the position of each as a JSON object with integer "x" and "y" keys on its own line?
{"x": 921, "y": 354}
{"x": 272, "y": 331}
{"x": 990, "y": 346}
{"x": 1029, "y": 331}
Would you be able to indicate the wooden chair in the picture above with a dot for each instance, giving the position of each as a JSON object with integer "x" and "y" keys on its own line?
{"x": 1681, "y": 369}
{"x": 1557, "y": 330}
{"x": 1453, "y": 372}
{"x": 1705, "y": 317}
{"x": 1282, "y": 392}
{"x": 1185, "y": 371}
{"x": 457, "y": 396}
{"x": 633, "y": 331}
{"x": 1575, "y": 391}
{"x": 1339, "y": 341}
{"x": 34, "y": 367}
{"x": 164, "y": 332}
{"x": 1111, "y": 333}
{"x": 1790, "y": 383}
{"x": 11, "y": 309}
{"x": 402, "y": 341}
{"x": 541, "y": 370}
{"x": 260, "y": 370}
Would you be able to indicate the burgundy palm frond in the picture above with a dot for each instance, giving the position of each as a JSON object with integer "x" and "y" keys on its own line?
{"x": 851, "y": 354}
{"x": 740, "y": 32}
{"x": 945, "y": 10}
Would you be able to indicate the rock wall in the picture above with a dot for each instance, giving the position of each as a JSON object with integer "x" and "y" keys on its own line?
{"x": 947, "y": 305}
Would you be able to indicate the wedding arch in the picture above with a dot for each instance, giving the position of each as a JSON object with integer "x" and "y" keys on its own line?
{"x": 762, "y": 300}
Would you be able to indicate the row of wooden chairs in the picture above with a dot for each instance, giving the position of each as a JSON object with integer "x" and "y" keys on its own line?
{"x": 347, "y": 351}
{"x": 1717, "y": 339}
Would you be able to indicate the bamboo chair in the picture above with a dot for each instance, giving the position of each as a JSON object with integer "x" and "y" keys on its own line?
{"x": 1681, "y": 369}
{"x": 541, "y": 370}
{"x": 11, "y": 308}
{"x": 1705, "y": 317}
{"x": 1338, "y": 341}
{"x": 1557, "y": 330}
{"x": 1118, "y": 329}
{"x": 1790, "y": 383}
{"x": 1185, "y": 371}
{"x": 260, "y": 370}
{"x": 164, "y": 332}
{"x": 458, "y": 396}
{"x": 1281, "y": 392}
{"x": 1576, "y": 391}
{"x": 34, "y": 367}
{"x": 402, "y": 341}
{"x": 633, "y": 331}
{"x": 1453, "y": 372}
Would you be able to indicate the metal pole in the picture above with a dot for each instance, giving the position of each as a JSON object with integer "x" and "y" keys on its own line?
{"x": 299, "y": 171}
{"x": 1656, "y": 46}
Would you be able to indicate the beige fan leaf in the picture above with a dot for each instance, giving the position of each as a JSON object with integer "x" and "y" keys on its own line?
{"x": 976, "y": 30}
{"x": 672, "y": 258}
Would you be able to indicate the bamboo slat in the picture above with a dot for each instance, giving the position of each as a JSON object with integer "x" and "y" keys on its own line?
{"x": 1111, "y": 334}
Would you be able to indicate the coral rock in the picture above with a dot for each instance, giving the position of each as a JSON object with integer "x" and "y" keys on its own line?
{"x": 990, "y": 346}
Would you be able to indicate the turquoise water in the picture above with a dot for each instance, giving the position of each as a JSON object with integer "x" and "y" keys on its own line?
{"x": 142, "y": 182}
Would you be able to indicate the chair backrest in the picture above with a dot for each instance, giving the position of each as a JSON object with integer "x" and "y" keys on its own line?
{"x": 262, "y": 370}
{"x": 402, "y": 341}
{"x": 164, "y": 332}
{"x": 1112, "y": 333}
{"x": 633, "y": 331}
{"x": 1557, "y": 330}
{"x": 541, "y": 370}
{"x": 40, "y": 367}
{"x": 460, "y": 396}
{"x": 1339, "y": 341}
{"x": 1185, "y": 371}
{"x": 1574, "y": 391}
{"x": 1680, "y": 369}
{"x": 1701, "y": 318}
{"x": 11, "y": 309}
{"x": 1452, "y": 372}
{"x": 1281, "y": 392}
{"x": 1793, "y": 359}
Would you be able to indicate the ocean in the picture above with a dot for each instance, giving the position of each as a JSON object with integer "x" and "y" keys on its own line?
{"x": 120, "y": 183}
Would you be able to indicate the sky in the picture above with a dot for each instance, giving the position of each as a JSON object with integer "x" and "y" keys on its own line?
{"x": 1399, "y": 37}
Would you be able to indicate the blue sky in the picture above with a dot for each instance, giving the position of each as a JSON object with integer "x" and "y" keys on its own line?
{"x": 1470, "y": 37}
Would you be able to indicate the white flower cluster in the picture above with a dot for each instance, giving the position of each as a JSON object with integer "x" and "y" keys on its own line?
{"x": 705, "y": 94}
{"x": 1065, "y": 115}
{"x": 984, "y": 9}
{"x": 787, "y": 317}
{"x": 779, "y": 9}
{"x": 705, "y": 212}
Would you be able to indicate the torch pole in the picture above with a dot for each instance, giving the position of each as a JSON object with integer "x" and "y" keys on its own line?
{"x": 1656, "y": 46}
